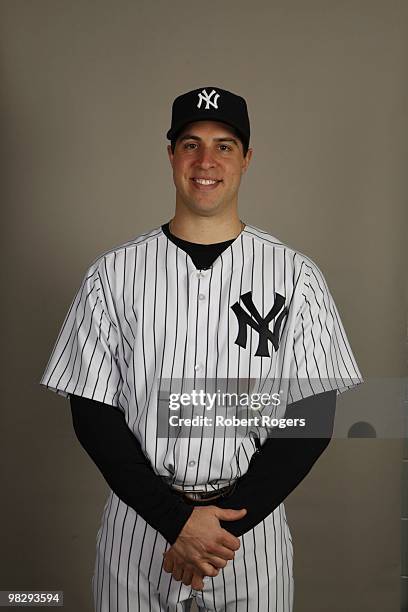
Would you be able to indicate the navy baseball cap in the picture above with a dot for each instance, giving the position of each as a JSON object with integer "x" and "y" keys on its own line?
{"x": 211, "y": 104}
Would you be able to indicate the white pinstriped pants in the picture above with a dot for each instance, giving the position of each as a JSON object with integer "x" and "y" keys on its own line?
{"x": 128, "y": 574}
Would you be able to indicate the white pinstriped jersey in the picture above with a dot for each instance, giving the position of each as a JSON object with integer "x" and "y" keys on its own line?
{"x": 144, "y": 314}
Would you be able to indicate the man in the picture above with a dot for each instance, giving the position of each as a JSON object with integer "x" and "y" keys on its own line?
{"x": 202, "y": 302}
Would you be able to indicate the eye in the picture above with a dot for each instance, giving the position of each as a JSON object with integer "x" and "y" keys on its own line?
{"x": 189, "y": 145}
{"x": 226, "y": 147}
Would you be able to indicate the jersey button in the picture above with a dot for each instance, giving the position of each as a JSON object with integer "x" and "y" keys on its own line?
{"x": 198, "y": 366}
{"x": 191, "y": 463}
{"x": 201, "y": 296}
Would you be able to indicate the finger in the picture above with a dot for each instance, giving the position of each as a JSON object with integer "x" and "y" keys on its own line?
{"x": 171, "y": 559}
{"x": 216, "y": 561}
{"x": 221, "y": 551}
{"x": 229, "y": 541}
{"x": 177, "y": 572}
{"x": 197, "y": 582}
{"x": 207, "y": 569}
{"x": 227, "y": 514}
{"x": 187, "y": 577}
{"x": 168, "y": 564}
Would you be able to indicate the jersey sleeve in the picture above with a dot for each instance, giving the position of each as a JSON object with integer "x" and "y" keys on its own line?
{"x": 321, "y": 355}
{"x": 84, "y": 360}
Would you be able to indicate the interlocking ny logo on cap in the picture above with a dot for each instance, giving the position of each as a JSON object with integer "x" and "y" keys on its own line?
{"x": 203, "y": 96}
{"x": 259, "y": 324}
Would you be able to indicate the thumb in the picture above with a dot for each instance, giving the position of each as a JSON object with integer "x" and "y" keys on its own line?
{"x": 225, "y": 514}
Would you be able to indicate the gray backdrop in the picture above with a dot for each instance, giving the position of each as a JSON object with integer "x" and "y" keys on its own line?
{"x": 86, "y": 95}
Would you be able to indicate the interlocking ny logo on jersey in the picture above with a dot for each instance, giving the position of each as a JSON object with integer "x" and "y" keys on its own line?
{"x": 205, "y": 97}
{"x": 259, "y": 324}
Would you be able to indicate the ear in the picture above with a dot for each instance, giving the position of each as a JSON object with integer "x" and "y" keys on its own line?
{"x": 247, "y": 159}
{"x": 170, "y": 154}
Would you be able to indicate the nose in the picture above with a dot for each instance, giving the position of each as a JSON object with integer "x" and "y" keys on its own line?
{"x": 205, "y": 158}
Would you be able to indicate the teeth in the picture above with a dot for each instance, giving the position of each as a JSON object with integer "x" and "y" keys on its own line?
{"x": 205, "y": 181}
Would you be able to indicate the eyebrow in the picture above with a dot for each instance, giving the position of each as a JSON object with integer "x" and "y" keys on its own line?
{"x": 222, "y": 139}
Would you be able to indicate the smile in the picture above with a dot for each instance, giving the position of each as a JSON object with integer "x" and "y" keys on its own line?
{"x": 205, "y": 184}
{"x": 205, "y": 181}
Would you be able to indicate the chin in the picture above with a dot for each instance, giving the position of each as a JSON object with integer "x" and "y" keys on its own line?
{"x": 202, "y": 204}
{"x": 205, "y": 207}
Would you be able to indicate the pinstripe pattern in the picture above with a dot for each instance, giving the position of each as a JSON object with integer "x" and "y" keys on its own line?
{"x": 259, "y": 578}
{"x": 144, "y": 315}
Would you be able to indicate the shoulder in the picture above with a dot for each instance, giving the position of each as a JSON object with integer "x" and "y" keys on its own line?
{"x": 109, "y": 259}
{"x": 301, "y": 265}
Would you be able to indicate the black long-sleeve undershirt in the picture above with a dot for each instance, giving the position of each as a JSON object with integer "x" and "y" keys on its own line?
{"x": 282, "y": 462}
{"x": 104, "y": 434}
{"x": 274, "y": 471}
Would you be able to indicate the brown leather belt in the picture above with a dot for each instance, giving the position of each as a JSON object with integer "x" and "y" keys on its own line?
{"x": 192, "y": 497}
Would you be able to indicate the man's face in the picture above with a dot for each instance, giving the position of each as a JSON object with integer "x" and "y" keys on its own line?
{"x": 208, "y": 163}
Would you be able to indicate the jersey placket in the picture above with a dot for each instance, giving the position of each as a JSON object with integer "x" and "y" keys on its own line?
{"x": 190, "y": 444}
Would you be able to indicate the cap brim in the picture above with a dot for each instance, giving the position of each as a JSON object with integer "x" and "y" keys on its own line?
{"x": 176, "y": 129}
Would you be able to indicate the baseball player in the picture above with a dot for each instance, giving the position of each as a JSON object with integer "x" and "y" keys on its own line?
{"x": 203, "y": 301}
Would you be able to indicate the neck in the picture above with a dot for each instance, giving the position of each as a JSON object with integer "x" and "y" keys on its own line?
{"x": 206, "y": 230}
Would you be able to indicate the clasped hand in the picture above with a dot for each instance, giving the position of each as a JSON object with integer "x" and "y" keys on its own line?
{"x": 203, "y": 547}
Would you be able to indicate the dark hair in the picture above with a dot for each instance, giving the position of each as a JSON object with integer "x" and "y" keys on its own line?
{"x": 245, "y": 145}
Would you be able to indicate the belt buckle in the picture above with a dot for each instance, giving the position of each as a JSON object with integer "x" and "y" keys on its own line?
{"x": 195, "y": 495}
